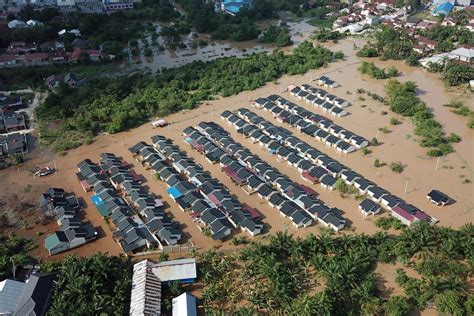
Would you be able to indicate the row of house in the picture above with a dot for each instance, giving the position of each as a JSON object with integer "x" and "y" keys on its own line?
{"x": 85, "y": 6}
{"x": 325, "y": 165}
{"x": 313, "y": 125}
{"x": 11, "y": 121}
{"x": 73, "y": 232}
{"x": 106, "y": 181}
{"x": 51, "y": 58}
{"x": 326, "y": 82}
{"x": 329, "y": 104}
{"x": 293, "y": 200}
{"x": 208, "y": 201}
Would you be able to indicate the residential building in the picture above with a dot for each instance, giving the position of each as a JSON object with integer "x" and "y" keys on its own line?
{"x": 10, "y": 292}
{"x": 184, "y": 305}
{"x": 146, "y": 290}
{"x": 36, "y": 296}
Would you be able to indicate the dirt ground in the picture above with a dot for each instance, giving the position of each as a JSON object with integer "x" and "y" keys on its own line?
{"x": 420, "y": 174}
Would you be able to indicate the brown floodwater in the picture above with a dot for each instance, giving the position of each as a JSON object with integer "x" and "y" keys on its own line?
{"x": 419, "y": 177}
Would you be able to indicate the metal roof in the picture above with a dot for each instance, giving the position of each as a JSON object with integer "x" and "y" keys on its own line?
{"x": 173, "y": 270}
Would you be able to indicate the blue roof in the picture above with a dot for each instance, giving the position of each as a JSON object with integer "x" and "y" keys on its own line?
{"x": 443, "y": 8}
{"x": 97, "y": 200}
{"x": 234, "y": 6}
{"x": 174, "y": 192}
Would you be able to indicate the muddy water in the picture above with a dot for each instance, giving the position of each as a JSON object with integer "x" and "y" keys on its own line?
{"x": 419, "y": 177}
{"x": 299, "y": 32}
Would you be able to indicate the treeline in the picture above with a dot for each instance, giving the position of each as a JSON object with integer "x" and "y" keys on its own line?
{"x": 376, "y": 72}
{"x": 325, "y": 275}
{"x": 402, "y": 99}
{"x": 113, "y": 105}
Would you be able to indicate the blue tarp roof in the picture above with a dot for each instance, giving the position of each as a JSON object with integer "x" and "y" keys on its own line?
{"x": 97, "y": 200}
{"x": 443, "y": 8}
{"x": 174, "y": 192}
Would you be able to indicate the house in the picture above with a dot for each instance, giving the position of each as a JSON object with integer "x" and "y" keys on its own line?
{"x": 7, "y": 60}
{"x": 10, "y": 292}
{"x": 438, "y": 198}
{"x": 233, "y": 7}
{"x": 444, "y": 9}
{"x": 72, "y": 80}
{"x": 184, "y": 305}
{"x": 37, "y": 294}
{"x": 54, "y": 81}
{"x": 368, "y": 207}
{"x": 146, "y": 290}
{"x": 181, "y": 270}
{"x": 326, "y": 82}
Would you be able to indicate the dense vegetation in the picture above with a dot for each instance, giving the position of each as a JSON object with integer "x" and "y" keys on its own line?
{"x": 113, "y": 105}
{"x": 447, "y": 35}
{"x": 13, "y": 251}
{"x": 324, "y": 275}
{"x": 402, "y": 99}
{"x": 376, "y": 72}
{"x": 453, "y": 74}
{"x": 276, "y": 34}
{"x": 95, "y": 285}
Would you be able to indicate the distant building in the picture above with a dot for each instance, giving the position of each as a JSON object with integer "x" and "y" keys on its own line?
{"x": 184, "y": 305}
{"x": 234, "y": 6}
{"x": 146, "y": 290}
{"x": 443, "y": 8}
{"x": 36, "y": 296}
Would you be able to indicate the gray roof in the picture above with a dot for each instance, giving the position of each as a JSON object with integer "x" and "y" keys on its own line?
{"x": 36, "y": 296}
{"x": 10, "y": 292}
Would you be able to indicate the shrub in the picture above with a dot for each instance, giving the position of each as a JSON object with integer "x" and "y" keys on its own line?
{"x": 454, "y": 138}
{"x": 377, "y": 163}
{"x": 374, "y": 142}
{"x": 396, "y": 167}
{"x": 395, "y": 121}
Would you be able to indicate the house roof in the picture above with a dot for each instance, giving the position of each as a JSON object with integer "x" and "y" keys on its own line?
{"x": 36, "y": 295}
{"x": 175, "y": 270}
{"x": 10, "y": 292}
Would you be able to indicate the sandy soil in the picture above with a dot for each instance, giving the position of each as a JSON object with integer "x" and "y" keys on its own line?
{"x": 419, "y": 171}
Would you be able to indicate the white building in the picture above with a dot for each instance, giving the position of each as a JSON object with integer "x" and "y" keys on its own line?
{"x": 146, "y": 290}
{"x": 66, "y": 3}
{"x": 184, "y": 305}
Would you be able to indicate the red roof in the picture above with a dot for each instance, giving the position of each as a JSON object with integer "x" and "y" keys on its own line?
{"x": 6, "y": 58}
{"x": 311, "y": 178}
{"x": 307, "y": 190}
{"x": 36, "y": 56}
{"x": 397, "y": 209}
{"x": 232, "y": 174}
{"x": 253, "y": 212}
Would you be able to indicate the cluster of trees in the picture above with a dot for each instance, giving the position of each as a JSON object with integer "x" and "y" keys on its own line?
{"x": 324, "y": 275}
{"x": 402, "y": 99}
{"x": 276, "y": 34}
{"x": 452, "y": 73}
{"x": 13, "y": 251}
{"x": 376, "y": 72}
{"x": 325, "y": 35}
{"x": 113, "y": 105}
{"x": 447, "y": 35}
{"x": 392, "y": 43}
{"x": 94, "y": 285}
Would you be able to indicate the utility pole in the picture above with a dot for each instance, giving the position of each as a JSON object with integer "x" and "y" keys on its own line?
{"x": 437, "y": 164}
{"x": 406, "y": 187}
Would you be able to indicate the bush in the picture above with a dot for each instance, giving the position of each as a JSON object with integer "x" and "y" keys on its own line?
{"x": 377, "y": 163}
{"x": 367, "y": 51}
{"x": 396, "y": 167}
{"x": 395, "y": 121}
{"x": 374, "y": 142}
{"x": 454, "y": 138}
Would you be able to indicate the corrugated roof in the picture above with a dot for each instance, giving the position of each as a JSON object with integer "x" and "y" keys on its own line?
{"x": 175, "y": 270}
{"x": 10, "y": 292}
